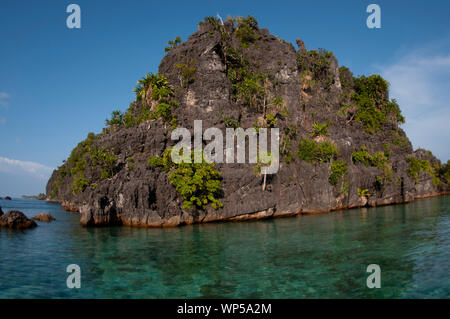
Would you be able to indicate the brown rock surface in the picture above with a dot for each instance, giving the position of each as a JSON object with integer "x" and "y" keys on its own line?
{"x": 44, "y": 217}
{"x": 16, "y": 220}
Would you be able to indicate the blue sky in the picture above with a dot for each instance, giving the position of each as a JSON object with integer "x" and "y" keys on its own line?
{"x": 58, "y": 84}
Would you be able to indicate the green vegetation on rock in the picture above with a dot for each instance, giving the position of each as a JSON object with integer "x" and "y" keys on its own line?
{"x": 153, "y": 89}
{"x": 444, "y": 172}
{"x": 374, "y": 107}
{"x": 316, "y": 64}
{"x": 363, "y": 156}
{"x": 338, "y": 170}
{"x": 84, "y": 155}
{"x": 316, "y": 152}
{"x": 378, "y": 160}
{"x": 421, "y": 165}
{"x": 199, "y": 184}
{"x": 172, "y": 44}
{"x": 246, "y": 30}
{"x": 363, "y": 192}
{"x": 187, "y": 69}
{"x": 319, "y": 129}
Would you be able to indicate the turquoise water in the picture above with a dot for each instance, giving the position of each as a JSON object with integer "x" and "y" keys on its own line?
{"x": 321, "y": 256}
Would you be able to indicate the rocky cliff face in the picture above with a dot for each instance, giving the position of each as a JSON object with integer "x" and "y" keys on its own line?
{"x": 340, "y": 142}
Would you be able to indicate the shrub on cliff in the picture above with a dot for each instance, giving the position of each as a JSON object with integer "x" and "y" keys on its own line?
{"x": 317, "y": 64}
{"x": 116, "y": 118}
{"x": 172, "y": 44}
{"x": 319, "y": 129}
{"x": 199, "y": 184}
{"x": 249, "y": 87}
{"x": 103, "y": 158}
{"x": 374, "y": 107}
{"x": 379, "y": 160}
{"x": 246, "y": 30}
{"x": 153, "y": 89}
{"x": 187, "y": 70}
{"x": 155, "y": 85}
{"x": 444, "y": 172}
{"x": 314, "y": 152}
{"x": 79, "y": 184}
{"x": 338, "y": 170}
{"x": 421, "y": 165}
{"x": 363, "y": 156}
{"x": 83, "y": 155}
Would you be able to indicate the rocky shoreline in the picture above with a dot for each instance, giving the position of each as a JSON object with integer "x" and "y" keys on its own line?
{"x": 70, "y": 207}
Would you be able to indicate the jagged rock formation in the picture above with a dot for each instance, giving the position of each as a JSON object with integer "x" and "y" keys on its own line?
{"x": 341, "y": 145}
{"x": 44, "y": 217}
{"x": 15, "y": 219}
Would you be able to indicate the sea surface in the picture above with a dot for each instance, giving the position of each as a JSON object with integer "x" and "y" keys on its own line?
{"x": 310, "y": 256}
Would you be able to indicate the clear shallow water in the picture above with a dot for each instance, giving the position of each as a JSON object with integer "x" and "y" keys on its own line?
{"x": 321, "y": 256}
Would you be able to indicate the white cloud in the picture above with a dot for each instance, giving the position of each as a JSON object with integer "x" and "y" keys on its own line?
{"x": 33, "y": 169}
{"x": 420, "y": 82}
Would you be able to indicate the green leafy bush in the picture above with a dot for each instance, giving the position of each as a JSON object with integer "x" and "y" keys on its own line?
{"x": 76, "y": 163}
{"x": 374, "y": 107}
{"x": 79, "y": 184}
{"x": 84, "y": 154}
{"x": 104, "y": 158}
{"x": 290, "y": 131}
{"x": 363, "y": 192}
{"x": 387, "y": 150}
{"x": 444, "y": 172}
{"x": 199, "y": 184}
{"x": 250, "y": 90}
{"x": 421, "y": 165}
{"x": 164, "y": 110}
{"x": 399, "y": 140}
{"x": 188, "y": 70}
{"x": 363, "y": 156}
{"x": 156, "y": 161}
{"x": 314, "y": 152}
{"x": 338, "y": 170}
{"x": 172, "y": 44}
{"x": 116, "y": 118}
{"x": 317, "y": 64}
{"x": 152, "y": 87}
{"x": 271, "y": 120}
{"x": 378, "y": 160}
{"x": 231, "y": 122}
{"x": 319, "y": 129}
{"x": 158, "y": 84}
{"x": 246, "y": 30}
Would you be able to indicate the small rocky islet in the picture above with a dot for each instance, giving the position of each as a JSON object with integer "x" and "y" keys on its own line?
{"x": 44, "y": 217}
{"x": 341, "y": 144}
{"x": 15, "y": 219}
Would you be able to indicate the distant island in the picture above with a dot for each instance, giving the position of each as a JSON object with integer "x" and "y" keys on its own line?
{"x": 341, "y": 144}
{"x": 41, "y": 196}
